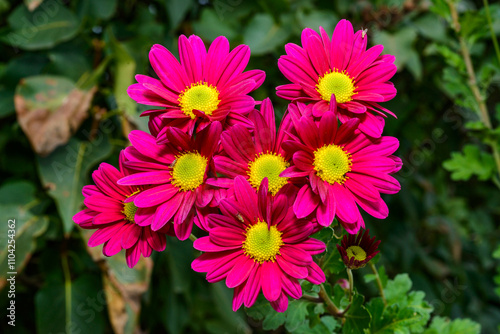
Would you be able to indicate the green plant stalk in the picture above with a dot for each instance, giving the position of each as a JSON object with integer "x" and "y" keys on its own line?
{"x": 192, "y": 237}
{"x": 67, "y": 287}
{"x": 483, "y": 111}
{"x": 351, "y": 284}
{"x": 492, "y": 32}
{"x": 379, "y": 283}
{"x": 330, "y": 306}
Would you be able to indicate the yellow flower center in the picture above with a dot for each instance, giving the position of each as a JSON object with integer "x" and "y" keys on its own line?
{"x": 356, "y": 251}
{"x": 268, "y": 165}
{"x": 129, "y": 209}
{"x": 332, "y": 163}
{"x": 199, "y": 96}
{"x": 338, "y": 83}
{"x": 262, "y": 244}
{"x": 188, "y": 171}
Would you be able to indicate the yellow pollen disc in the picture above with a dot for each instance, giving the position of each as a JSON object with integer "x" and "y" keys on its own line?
{"x": 129, "y": 209}
{"x": 188, "y": 171}
{"x": 199, "y": 96}
{"x": 332, "y": 163}
{"x": 262, "y": 244}
{"x": 356, "y": 251}
{"x": 338, "y": 83}
{"x": 268, "y": 165}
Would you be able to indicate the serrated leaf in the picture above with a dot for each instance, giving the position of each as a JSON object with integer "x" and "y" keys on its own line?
{"x": 440, "y": 325}
{"x": 470, "y": 162}
{"x": 357, "y": 317}
{"x": 295, "y": 314}
{"x": 397, "y": 288}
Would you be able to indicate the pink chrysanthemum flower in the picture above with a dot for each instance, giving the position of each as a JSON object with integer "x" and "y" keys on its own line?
{"x": 340, "y": 75}
{"x": 204, "y": 86}
{"x": 118, "y": 222}
{"x": 254, "y": 155}
{"x": 259, "y": 245}
{"x": 176, "y": 172}
{"x": 345, "y": 169}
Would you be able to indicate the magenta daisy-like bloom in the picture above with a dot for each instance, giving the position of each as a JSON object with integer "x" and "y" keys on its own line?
{"x": 176, "y": 173}
{"x": 358, "y": 250}
{"x": 258, "y": 244}
{"x": 254, "y": 155}
{"x": 118, "y": 222}
{"x": 345, "y": 169}
{"x": 340, "y": 75}
{"x": 205, "y": 86}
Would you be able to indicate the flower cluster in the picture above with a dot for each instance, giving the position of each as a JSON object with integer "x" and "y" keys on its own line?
{"x": 215, "y": 158}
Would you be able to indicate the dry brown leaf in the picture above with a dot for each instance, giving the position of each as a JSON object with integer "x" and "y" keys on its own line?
{"x": 50, "y": 110}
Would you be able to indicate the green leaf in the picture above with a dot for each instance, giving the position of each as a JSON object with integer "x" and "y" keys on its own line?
{"x": 407, "y": 312}
{"x": 32, "y": 4}
{"x": 357, "y": 317}
{"x": 273, "y": 320}
{"x": 431, "y": 27}
{"x": 210, "y": 26}
{"x": 397, "y": 288}
{"x": 64, "y": 173}
{"x": 263, "y": 35}
{"x": 295, "y": 314}
{"x": 177, "y": 10}
{"x": 471, "y": 162}
{"x": 98, "y": 9}
{"x": 326, "y": 325}
{"x": 16, "y": 199}
{"x": 318, "y": 18}
{"x": 440, "y": 325}
{"x": 331, "y": 261}
{"x": 400, "y": 44}
{"x": 49, "y": 24}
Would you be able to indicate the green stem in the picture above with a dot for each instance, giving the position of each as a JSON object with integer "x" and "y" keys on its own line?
{"x": 483, "y": 111}
{"x": 492, "y": 32}
{"x": 351, "y": 284}
{"x": 192, "y": 238}
{"x": 67, "y": 288}
{"x": 330, "y": 306}
{"x": 311, "y": 298}
{"x": 379, "y": 283}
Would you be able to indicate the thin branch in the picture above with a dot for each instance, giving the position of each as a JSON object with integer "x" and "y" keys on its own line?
{"x": 379, "y": 283}
{"x": 330, "y": 306}
{"x": 312, "y": 299}
{"x": 483, "y": 111}
{"x": 492, "y": 32}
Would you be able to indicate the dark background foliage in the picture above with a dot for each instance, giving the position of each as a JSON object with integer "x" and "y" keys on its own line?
{"x": 443, "y": 225}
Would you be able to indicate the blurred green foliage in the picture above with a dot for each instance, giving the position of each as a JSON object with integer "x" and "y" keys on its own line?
{"x": 443, "y": 226}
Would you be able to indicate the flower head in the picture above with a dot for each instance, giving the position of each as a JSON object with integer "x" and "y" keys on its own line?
{"x": 119, "y": 224}
{"x": 340, "y": 75}
{"x": 259, "y": 244}
{"x": 358, "y": 250}
{"x": 256, "y": 155}
{"x": 206, "y": 86}
{"x": 176, "y": 173}
{"x": 341, "y": 169}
